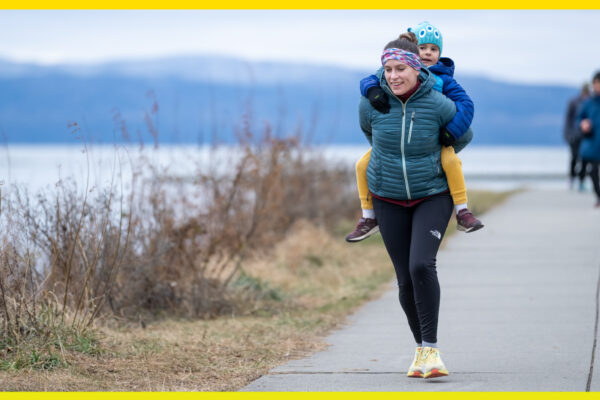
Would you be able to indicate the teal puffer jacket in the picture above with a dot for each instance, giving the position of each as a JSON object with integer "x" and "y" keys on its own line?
{"x": 405, "y": 159}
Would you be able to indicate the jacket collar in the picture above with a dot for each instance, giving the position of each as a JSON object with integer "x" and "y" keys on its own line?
{"x": 444, "y": 66}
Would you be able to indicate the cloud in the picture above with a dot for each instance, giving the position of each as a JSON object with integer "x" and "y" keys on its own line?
{"x": 517, "y": 45}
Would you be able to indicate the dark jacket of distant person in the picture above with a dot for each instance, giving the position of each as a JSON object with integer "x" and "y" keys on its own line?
{"x": 590, "y": 144}
{"x": 572, "y": 133}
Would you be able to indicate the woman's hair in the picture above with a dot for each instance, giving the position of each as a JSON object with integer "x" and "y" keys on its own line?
{"x": 402, "y": 44}
{"x": 410, "y": 36}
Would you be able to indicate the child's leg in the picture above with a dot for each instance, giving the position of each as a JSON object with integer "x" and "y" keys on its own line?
{"x": 366, "y": 202}
{"x": 456, "y": 180}
{"x": 465, "y": 221}
{"x": 367, "y": 225}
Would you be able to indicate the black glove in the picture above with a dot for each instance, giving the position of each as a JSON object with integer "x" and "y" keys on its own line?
{"x": 378, "y": 99}
{"x": 446, "y": 138}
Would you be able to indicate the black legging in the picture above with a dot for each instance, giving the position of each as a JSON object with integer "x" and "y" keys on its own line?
{"x": 576, "y": 159}
{"x": 595, "y": 178}
{"x": 412, "y": 237}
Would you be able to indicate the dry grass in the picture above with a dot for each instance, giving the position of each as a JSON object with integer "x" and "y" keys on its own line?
{"x": 176, "y": 356}
{"x": 314, "y": 279}
{"x": 228, "y": 352}
{"x": 165, "y": 246}
{"x": 144, "y": 290}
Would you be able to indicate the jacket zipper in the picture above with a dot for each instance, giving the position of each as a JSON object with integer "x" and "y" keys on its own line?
{"x": 402, "y": 138}
{"x": 412, "y": 119}
{"x": 402, "y": 151}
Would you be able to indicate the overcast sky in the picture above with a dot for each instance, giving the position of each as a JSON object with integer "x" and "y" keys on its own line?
{"x": 536, "y": 46}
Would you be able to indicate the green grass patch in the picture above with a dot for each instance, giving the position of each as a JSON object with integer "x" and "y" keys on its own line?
{"x": 258, "y": 289}
{"x": 44, "y": 343}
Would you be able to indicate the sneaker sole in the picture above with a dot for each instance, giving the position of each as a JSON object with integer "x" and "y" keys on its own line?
{"x": 363, "y": 237}
{"x": 415, "y": 375}
{"x": 436, "y": 373}
{"x": 467, "y": 230}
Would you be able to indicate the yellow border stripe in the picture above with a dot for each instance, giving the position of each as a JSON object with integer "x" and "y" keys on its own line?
{"x": 300, "y": 4}
{"x": 302, "y": 395}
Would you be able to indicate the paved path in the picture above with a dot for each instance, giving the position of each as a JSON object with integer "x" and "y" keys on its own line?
{"x": 518, "y": 311}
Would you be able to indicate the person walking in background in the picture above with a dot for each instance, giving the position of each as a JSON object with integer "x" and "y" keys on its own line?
{"x": 429, "y": 43}
{"x": 588, "y": 120}
{"x": 410, "y": 192}
{"x": 573, "y": 136}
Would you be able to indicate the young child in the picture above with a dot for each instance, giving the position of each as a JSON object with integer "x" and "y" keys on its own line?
{"x": 429, "y": 41}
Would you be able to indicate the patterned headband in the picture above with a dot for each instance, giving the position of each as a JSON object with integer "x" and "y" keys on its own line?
{"x": 405, "y": 57}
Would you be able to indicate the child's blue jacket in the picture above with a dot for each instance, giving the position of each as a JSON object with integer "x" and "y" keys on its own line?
{"x": 445, "y": 83}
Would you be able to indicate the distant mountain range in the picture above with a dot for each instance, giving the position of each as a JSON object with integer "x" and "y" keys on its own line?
{"x": 212, "y": 99}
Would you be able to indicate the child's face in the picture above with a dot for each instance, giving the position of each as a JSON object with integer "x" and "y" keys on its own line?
{"x": 429, "y": 53}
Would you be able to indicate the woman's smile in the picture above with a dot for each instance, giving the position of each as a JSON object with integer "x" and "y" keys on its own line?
{"x": 397, "y": 86}
{"x": 400, "y": 77}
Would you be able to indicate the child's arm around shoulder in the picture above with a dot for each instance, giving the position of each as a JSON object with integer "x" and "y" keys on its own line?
{"x": 465, "y": 109}
{"x": 371, "y": 89}
{"x": 370, "y": 81}
{"x": 447, "y": 112}
{"x": 367, "y": 83}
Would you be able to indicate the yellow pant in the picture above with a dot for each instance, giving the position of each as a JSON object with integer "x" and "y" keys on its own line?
{"x": 450, "y": 163}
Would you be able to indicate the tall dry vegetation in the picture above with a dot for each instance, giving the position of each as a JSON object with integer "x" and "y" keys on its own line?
{"x": 161, "y": 243}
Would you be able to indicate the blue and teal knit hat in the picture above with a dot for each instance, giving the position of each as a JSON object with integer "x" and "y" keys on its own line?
{"x": 427, "y": 33}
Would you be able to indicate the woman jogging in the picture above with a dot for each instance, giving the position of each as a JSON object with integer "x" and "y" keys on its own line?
{"x": 410, "y": 191}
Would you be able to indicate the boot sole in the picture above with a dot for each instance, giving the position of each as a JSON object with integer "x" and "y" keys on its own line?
{"x": 363, "y": 237}
{"x": 436, "y": 373}
{"x": 467, "y": 230}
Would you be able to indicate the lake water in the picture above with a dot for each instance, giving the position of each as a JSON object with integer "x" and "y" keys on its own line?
{"x": 495, "y": 168}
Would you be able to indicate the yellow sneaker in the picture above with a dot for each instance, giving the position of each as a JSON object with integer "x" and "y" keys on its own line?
{"x": 416, "y": 368}
{"x": 433, "y": 366}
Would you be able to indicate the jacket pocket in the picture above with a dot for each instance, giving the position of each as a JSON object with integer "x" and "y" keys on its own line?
{"x": 412, "y": 120}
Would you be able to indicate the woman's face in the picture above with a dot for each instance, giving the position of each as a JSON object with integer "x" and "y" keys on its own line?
{"x": 400, "y": 77}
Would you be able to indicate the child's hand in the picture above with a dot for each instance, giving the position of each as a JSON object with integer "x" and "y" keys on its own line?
{"x": 378, "y": 99}
{"x": 586, "y": 126}
{"x": 446, "y": 138}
